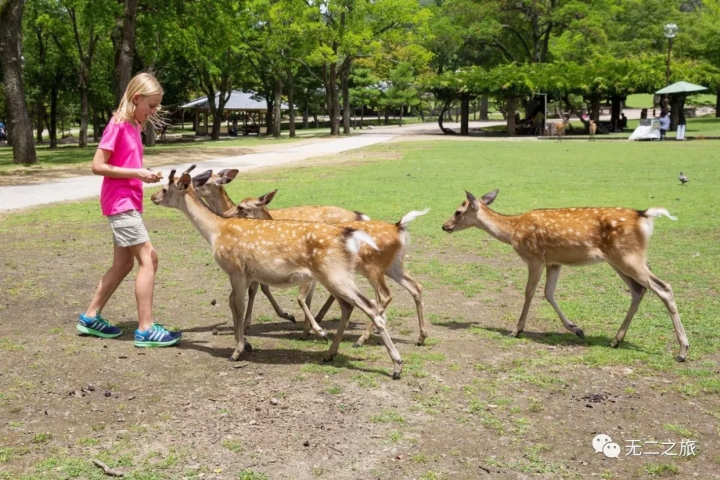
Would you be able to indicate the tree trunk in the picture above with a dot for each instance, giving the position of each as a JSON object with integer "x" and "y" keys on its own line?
{"x": 216, "y": 124}
{"x": 18, "y": 121}
{"x": 717, "y": 103}
{"x": 402, "y": 107}
{"x": 615, "y": 110}
{"x": 362, "y": 115}
{"x": 511, "y": 102}
{"x": 317, "y": 122}
{"x": 344, "y": 82}
{"x": 595, "y": 109}
{"x": 277, "y": 105}
{"x": 333, "y": 100}
{"x": 96, "y": 125}
{"x": 291, "y": 101}
{"x": 84, "y": 109}
{"x": 125, "y": 49}
{"x": 39, "y": 116}
{"x": 150, "y": 134}
{"x": 306, "y": 113}
{"x": 676, "y": 105}
{"x": 53, "y": 116}
{"x": 464, "y": 115}
{"x": 387, "y": 117}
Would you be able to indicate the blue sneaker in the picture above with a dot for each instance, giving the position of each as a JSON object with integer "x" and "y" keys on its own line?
{"x": 157, "y": 336}
{"x": 97, "y": 326}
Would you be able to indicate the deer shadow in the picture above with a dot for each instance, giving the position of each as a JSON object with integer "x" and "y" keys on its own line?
{"x": 280, "y": 356}
{"x": 565, "y": 339}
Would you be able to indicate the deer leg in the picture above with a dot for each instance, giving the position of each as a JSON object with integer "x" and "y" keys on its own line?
{"x": 278, "y": 309}
{"x": 323, "y": 311}
{"x": 551, "y": 279}
{"x": 252, "y": 291}
{"x": 382, "y": 294}
{"x": 534, "y": 274}
{"x": 346, "y": 310}
{"x": 309, "y": 319}
{"x": 240, "y": 286}
{"x": 639, "y": 271}
{"x": 397, "y": 274}
{"x": 637, "y": 293}
{"x": 352, "y": 295}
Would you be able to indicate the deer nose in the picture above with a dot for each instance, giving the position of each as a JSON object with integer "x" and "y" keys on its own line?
{"x": 446, "y": 228}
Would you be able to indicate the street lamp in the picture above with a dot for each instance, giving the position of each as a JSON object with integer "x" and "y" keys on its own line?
{"x": 670, "y": 31}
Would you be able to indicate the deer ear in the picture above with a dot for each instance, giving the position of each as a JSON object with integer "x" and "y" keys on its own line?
{"x": 201, "y": 179}
{"x": 267, "y": 198}
{"x": 228, "y": 175}
{"x": 488, "y": 198}
{"x": 184, "y": 182}
{"x": 471, "y": 199}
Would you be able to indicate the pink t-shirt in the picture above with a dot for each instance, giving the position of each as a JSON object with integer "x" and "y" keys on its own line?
{"x": 122, "y": 194}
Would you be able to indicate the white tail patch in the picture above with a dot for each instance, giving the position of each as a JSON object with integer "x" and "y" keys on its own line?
{"x": 357, "y": 238}
{"x": 410, "y": 216}
{"x": 659, "y": 212}
{"x": 364, "y": 217}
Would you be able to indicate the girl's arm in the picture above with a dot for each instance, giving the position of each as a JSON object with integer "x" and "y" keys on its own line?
{"x": 100, "y": 166}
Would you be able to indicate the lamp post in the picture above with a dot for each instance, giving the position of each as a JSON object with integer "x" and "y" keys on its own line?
{"x": 670, "y": 31}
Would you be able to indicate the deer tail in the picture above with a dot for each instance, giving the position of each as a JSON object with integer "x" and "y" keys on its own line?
{"x": 657, "y": 212}
{"x": 355, "y": 238}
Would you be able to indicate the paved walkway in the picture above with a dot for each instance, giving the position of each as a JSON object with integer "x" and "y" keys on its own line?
{"x": 77, "y": 188}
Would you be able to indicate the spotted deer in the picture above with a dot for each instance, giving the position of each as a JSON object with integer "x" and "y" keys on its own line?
{"x": 551, "y": 238}
{"x": 281, "y": 254}
{"x": 216, "y": 197}
{"x": 387, "y": 260}
{"x": 561, "y": 126}
{"x": 592, "y": 128}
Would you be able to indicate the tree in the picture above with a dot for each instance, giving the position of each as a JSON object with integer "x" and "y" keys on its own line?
{"x": 402, "y": 91}
{"x": 364, "y": 90}
{"x": 124, "y": 43}
{"x": 19, "y": 126}
{"x": 215, "y": 60}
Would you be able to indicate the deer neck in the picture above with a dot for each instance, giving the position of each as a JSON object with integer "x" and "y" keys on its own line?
{"x": 205, "y": 221}
{"x": 497, "y": 225}
{"x": 221, "y": 202}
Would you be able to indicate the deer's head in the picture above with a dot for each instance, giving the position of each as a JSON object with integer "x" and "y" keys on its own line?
{"x": 252, "y": 207}
{"x": 213, "y": 188}
{"x": 173, "y": 194}
{"x": 466, "y": 214}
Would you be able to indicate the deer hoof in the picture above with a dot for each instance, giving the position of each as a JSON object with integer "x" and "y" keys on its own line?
{"x": 290, "y": 316}
{"x": 515, "y": 333}
{"x": 579, "y": 332}
{"x": 248, "y": 347}
{"x": 328, "y": 358}
{"x": 396, "y": 376}
{"x": 357, "y": 345}
{"x": 614, "y": 343}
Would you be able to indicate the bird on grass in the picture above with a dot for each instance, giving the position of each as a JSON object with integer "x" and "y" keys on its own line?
{"x": 683, "y": 179}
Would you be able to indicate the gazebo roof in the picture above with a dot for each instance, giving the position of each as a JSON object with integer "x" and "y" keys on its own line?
{"x": 681, "y": 87}
{"x": 248, "y": 101}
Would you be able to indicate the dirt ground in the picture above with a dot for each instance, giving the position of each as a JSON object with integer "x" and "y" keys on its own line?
{"x": 470, "y": 404}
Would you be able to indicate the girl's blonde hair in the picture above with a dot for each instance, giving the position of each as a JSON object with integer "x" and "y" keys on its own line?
{"x": 143, "y": 84}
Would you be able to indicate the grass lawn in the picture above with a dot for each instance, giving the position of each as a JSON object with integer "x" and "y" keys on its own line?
{"x": 470, "y": 399}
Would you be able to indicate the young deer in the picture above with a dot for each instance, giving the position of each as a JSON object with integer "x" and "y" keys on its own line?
{"x": 550, "y": 238}
{"x": 279, "y": 253}
{"x": 592, "y": 128}
{"x": 391, "y": 240}
{"x": 214, "y": 194}
{"x": 560, "y": 127}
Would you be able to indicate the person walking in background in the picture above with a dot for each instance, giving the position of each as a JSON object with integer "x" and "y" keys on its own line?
{"x": 119, "y": 158}
{"x": 664, "y": 124}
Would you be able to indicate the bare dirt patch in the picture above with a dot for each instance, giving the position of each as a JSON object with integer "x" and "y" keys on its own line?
{"x": 471, "y": 403}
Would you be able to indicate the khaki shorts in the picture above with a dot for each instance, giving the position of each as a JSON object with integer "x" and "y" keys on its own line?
{"x": 128, "y": 229}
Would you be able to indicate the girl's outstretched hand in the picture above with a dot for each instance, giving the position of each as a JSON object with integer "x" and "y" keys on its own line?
{"x": 148, "y": 176}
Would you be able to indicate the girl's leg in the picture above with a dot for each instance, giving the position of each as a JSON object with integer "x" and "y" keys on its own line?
{"x": 145, "y": 282}
{"x": 123, "y": 263}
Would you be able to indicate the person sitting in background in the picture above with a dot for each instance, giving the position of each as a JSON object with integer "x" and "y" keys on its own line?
{"x": 623, "y": 121}
{"x": 664, "y": 124}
